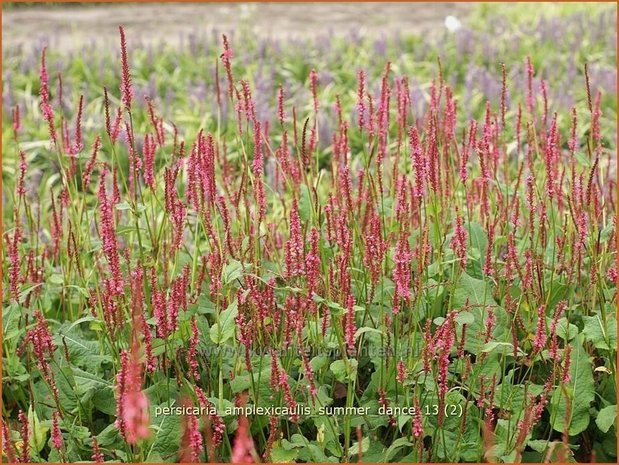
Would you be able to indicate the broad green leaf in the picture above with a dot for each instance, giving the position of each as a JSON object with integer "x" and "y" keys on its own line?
{"x": 37, "y": 431}
{"x": 475, "y": 332}
{"x": 66, "y": 392}
{"x": 478, "y": 294}
{"x": 305, "y": 204}
{"x": 403, "y": 420}
{"x": 366, "y": 329}
{"x": 565, "y": 330}
{"x": 104, "y": 400}
{"x": 87, "y": 380}
{"x": 232, "y": 271}
{"x": 56, "y": 278}
{"x": 475, "y": 291}
{"x": 374, "y": 454}
{"x": 23, "y": 295}
{"x": 364, "y": 446}
{"x": 583, "y": 159}
{"x": 456, "y": 444}
{"x": 579, "y": 393}
{"x": 538, "y": 445}
{"x": 606, "y": 418}
{"x": 223, "y": 330}
{"x": 477, "y": 237}
{"x": 167, "y": 436}
{"x": 465, "y": 317}
{"x": 10, "y": 319}
{"x": 344, "y": 372}
{"x": 281, "y": 455}
{"x": 79, "y": 321}
{"x": 506, "y": 348}
{"x": 123, "y": 206}
{"x": 395, "y": 447}
{"x": 82, "y": 353}
{"x": 318, "y": 362}
{"x": 602, "y": 336}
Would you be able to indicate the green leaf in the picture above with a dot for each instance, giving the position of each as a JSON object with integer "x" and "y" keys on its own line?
{"x": 305, "y": 204}
{"x": 502, "y": 347}
{"x": 364, "y": 446}
{"x": 475, "y": 291}
{"x": 37, "y": 431}
{"x": 140, "y": 207}
{"x": 205, "y": 305}
{"x": 395, "y": 447}
{"x": 403, "y": 420}
{"x": 374, "y": 454}
{"x": 513, "y": 397}
{"x": 344, "y": 372}
{"x": 123, "y": 206}
{"x": 538, "y": 445}
{"x": 232, "y": 272}
{"x": 565, "y": 330}
{"x": 602, "y": 336}
{"x": 475, "y": 331}
{"x": 82, "y": 353}
{"x": 108, "y": 436}
{"x": 579, "y": 393}
{"x": 318, "y": 362}
{"x": 583, "y": 159}
{"x": 66, "y": 393}
{"x": 79, "y": 321}
{"x": 105, "y": 401}
{"x": 366, "y": 329}
{"x": 477, "y": 241}
{"x": 10, "y": 320}
{"x": 281, "y": 455}
{"x": 606, "y": 418}
{"x": 477, "y": 237}
{"x": 23, "y": 295}
{"x": 56, "y": 278}
{"x": 167, "y": 437}
{"x": 607, "y": 231}
{"x": 465, "y": 318}
{"x": 85, "y": 380}
{"x": 223, "y": 330}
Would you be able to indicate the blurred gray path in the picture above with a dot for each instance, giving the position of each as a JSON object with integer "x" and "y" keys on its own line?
{"x": 68, "y": 27}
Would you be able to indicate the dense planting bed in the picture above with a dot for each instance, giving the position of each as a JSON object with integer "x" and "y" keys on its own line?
{"x": 261, "y": 250}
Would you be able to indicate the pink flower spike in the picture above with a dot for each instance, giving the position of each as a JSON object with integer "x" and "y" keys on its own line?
{"x": 97, "y": 455}
{"x": 419, "y": 163}
{"x": 402, "y": 272}
{"x": 401, "y": 371}
{"x": 46, "y": 108}
{"x": 125, "y": 87}
{"x": 294, "y": 246}
{"x": 243, "y": 450}
{"x": 417, "y": 421}
{"x": 25, "y": 437}
{"x": 149, "y": 160}
{"x": 280, "y": 105}
{"x": 56, "y": 434}
{"x": 350, "y": 327}
{"x": 314, "y": 87}
{"x": 540, "y": 333}
{"x": 226, "y": 57}
{"x": 192, "y": 442}
{"x": 91, "y": 162}
{"x": 360, "y": 100}
{"x": 131, "y": 402}
{"x": 459, "y": 240}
